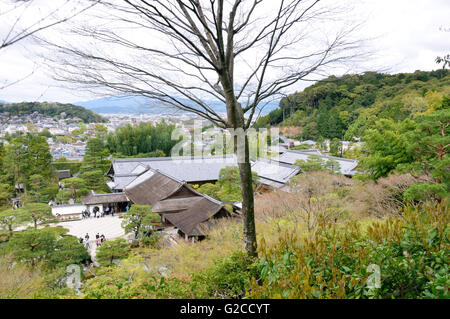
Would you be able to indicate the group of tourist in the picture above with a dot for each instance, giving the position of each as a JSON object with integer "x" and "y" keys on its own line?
{"x": 97, "y": 213}
{"x": 99, "y": 239}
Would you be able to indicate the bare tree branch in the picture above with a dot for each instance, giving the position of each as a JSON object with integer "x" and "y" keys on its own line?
{"x": 184, "y": 53}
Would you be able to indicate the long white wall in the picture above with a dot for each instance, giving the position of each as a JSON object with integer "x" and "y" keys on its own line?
{"x": 68, "y": 209}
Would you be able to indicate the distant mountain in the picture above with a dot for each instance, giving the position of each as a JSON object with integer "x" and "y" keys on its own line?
{"x": 51, "y": 110}
{"x": 143, "y": 105}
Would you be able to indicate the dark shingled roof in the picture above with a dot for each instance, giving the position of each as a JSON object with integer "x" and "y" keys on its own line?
{"x": 93, "y": 199}
{"x": 174, "y": 204}
{"x": 180, "y": 204}
{"x": 151, "y": 187}
{"x": 189, "y": 169}
{"x": 197, "y": 212}
{"x": 124, "y": 171}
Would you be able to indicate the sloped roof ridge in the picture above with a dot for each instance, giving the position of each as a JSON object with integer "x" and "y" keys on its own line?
{"x": 165, "y": 174}
{"x": 323, "y": 155}
{"x": 106, "y": 194}
{"x": 212, "y": 199}
{"x": 147, "y": 159}
{"x": 275, "y": 162}
{"x": 340, "y": 158}
{"x": 204, "y": 195}
{"x": 137, "y": 176}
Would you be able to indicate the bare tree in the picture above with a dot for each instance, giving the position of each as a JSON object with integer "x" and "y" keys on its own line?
{"x": 186, "y": 53}
{"x": 313, "y": 199}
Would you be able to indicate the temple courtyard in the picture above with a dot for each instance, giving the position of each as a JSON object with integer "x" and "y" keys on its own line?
{"x": 108, "y": 226}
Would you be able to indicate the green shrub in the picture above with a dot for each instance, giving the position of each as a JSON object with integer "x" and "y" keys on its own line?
{"x": 411, "y": 251}
{"x": 229, "y": 277}
{"x": 111, "y": 250}
{"x": 154, "y": 240}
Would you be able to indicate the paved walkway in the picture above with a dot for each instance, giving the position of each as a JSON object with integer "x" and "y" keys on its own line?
{"x": 108, "y": 226}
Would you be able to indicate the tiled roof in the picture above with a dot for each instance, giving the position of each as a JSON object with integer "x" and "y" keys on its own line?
{"x": 347, "y": 166}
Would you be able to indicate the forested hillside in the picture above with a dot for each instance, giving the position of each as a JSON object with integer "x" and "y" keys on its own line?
{"x": 51, "y": 110}
{"x": 346, "y": 106}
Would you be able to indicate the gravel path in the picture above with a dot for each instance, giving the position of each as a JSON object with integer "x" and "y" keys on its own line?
{"x": 108, "y": 226}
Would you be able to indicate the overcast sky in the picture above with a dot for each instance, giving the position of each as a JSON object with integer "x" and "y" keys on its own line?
{"x": 407, "y": 35}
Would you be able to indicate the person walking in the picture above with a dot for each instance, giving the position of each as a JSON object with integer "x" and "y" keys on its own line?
{"x": 86, "y": 238}
{"x": 99, "y": 241}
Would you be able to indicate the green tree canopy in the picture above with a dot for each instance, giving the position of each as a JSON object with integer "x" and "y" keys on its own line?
{"x": 229, "y": 184}
{"x": 111, "y": 250}
{"x": 138, "y": 218}
{"x": 95, "y": 180}
{"x": 49, "y": 246}
{"x": 6, "y": 192}
{"x": 144, "y": 138}
{"x": 38, "y": 213}
{"x": 26, "y": 160}
{"x": 67, "y": 250}
{"x": 387, "y": 146}
{"x": 350, "y": 104}
{"x": 12, "y": 218}
{"x": 96, "y": 155}
{"x": 333, "y": 166}
{"x": 430, "y": 145}
{"x": 312, "y": 163}
{"x": 74, "y": 184}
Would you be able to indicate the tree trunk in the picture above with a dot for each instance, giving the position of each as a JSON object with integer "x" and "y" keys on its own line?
{"x": 236, "y": 118}
{"x": 248, "y": 206}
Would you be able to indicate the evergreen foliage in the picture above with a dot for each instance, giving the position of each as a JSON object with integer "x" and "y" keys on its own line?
{"x": 51, "y": 110}
{"x": 145, "y": 139}
{"x": 348, "y": 105}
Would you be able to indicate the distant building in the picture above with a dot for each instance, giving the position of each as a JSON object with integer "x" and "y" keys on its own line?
{"x": 64, "y": 173}
{"x": 347, "y": 166}
{"x": 178, "y": 203}
{"x": 57, "y": 131}
{"x": 196, "y": 170}
{"x": 116, "y": 201}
